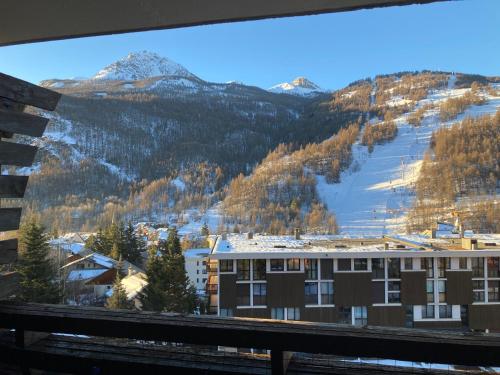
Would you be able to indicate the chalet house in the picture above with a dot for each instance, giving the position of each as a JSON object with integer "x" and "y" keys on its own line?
{"x": 88, "y": 278}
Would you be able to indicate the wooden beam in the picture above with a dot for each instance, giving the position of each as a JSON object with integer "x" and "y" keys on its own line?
{"x": 9, "y": 219}
{"x": 22, "y": 123}
{"x": 9, "y": 284}
{"x": 392, "y": 343}
{"x": 13, "y": 186}
{"x": 24, "y": 92}
{"x": 25, "y": 21}
{"x": 17, "y": 154}
{"x": 8, "y": 251}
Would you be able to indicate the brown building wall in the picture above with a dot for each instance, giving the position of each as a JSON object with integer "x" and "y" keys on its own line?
{"x": 353, "y": 289}
{"x": 413, "y": 288}
{"x": 285, "y": 289}
{"x": 253, "y": 313}
{"x": 320, "y": 314}
{"x": 484, "y": 317}
{"x": 438, "y": 324}
{"x": 459, "y": 287}
{"x": 227, "y": 291}
{"x": 393, "y": 316}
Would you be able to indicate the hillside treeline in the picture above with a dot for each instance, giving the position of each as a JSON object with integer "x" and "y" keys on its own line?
{"x": 461, "y": 171}
{"x": 378, "y": 134}
{"x": 281, "y": 194}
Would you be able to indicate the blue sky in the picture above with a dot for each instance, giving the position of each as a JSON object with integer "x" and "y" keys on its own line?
{"x": 332, "y": 49}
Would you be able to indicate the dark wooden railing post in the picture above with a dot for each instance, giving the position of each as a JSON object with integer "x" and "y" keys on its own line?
{"x": 279, "y": 361}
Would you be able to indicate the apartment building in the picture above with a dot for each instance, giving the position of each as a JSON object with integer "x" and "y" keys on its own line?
{"x": 196, "y": 268}
{"x": 406, "y": 281}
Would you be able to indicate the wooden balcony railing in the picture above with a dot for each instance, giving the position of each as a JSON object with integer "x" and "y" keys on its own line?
{"x": 280, "y": 337}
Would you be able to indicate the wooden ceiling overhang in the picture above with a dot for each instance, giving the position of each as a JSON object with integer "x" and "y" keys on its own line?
{"x": 28, "y": 21}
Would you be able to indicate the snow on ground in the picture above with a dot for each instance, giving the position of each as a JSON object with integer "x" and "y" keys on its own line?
{"x": 373, "y": 198}
{"x": 116, "y": 170}
{"x": 212, "y": 217}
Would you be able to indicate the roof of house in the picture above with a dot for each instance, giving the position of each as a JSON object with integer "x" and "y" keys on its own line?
{"x": 196, "y": 253}
{"x": 85, "y": 274}
{"x": 133, "y": 285}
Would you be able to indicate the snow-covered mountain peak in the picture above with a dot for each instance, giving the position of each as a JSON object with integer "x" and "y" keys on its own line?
{"x": 299, "y": 86}
{"x": 142, "y": 65}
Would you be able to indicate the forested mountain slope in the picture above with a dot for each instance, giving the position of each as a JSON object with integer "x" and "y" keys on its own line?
{"x": 144, "y": 138}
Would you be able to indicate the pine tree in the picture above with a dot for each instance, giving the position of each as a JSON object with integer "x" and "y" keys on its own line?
{"x": 169, "y": 288}
{"x": 134, "y": 245}
{"x": 152, "y": 296}
{"x": 38, "y": 276}
{"x": 173, "y": 243}
{"x": 118, "y": 299}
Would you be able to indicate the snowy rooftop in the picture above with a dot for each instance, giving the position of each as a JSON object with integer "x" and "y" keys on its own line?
{"x": 85, "y": 274}
{"x": 239, "y": 245}
{"x": 196, "y": 253}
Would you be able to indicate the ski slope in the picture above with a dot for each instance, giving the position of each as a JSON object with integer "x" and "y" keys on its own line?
{"x": 375, "y": 193}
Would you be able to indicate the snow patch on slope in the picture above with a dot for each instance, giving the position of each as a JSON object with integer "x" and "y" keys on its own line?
{"x": 375, "y": 194}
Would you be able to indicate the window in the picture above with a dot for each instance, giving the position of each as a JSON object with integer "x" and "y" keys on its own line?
{"x": 243, "y": 294}
{"x": 278, "y": 313}
{"x": 477, "y": 267}
{"x": 378, "y": 271}
{"x": 494, "y": 267}
{"x": 408, "y": 264}
{"x": 443, "y": 265}
{"x": 344, "y": 314}
{"x": 204, "y": 263}
{"x": 226, "y": 265}
{"x": 226, "y": 312}
{"x": 259, "y": 269}
{"x": 277, "y": 264}
{"x": 326, "y": 269}
{"x": 293, "y": 264}
{"x": 442, "y": 290}
{"x": 360, "y": 316}
{"x": 430, "y": 291}
{"x": 478, "y": 290}
{"x": 327, "y": 293}
{"x": 203, "y": 281}
{"x": 197, "y": 272}
{"x": 493, "y": 291}
{"x": 462, "y": 263}
{"x": 259, "y": 294}
{"x": 344, "y": 264}
{"x": 428, "y": 312}
{"x": 289, "y": 313}
{"x": 360, "y": 264}
{"x": 394, "y": 292}
{"x": 292, "y": 313}
{"x": 311, "y": 293}
{"x": 445, "y": 311}
{"x": 394, "y": 268}
{"x": 428, "y": 265}
{"x": 311, "y": 266}
{"x": 204, "y": 272}
{"x": 243, "y": 269}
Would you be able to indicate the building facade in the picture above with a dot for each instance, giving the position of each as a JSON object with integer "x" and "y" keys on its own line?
{"x": 196, "y": 268}
{"x": 407, "y": 282}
